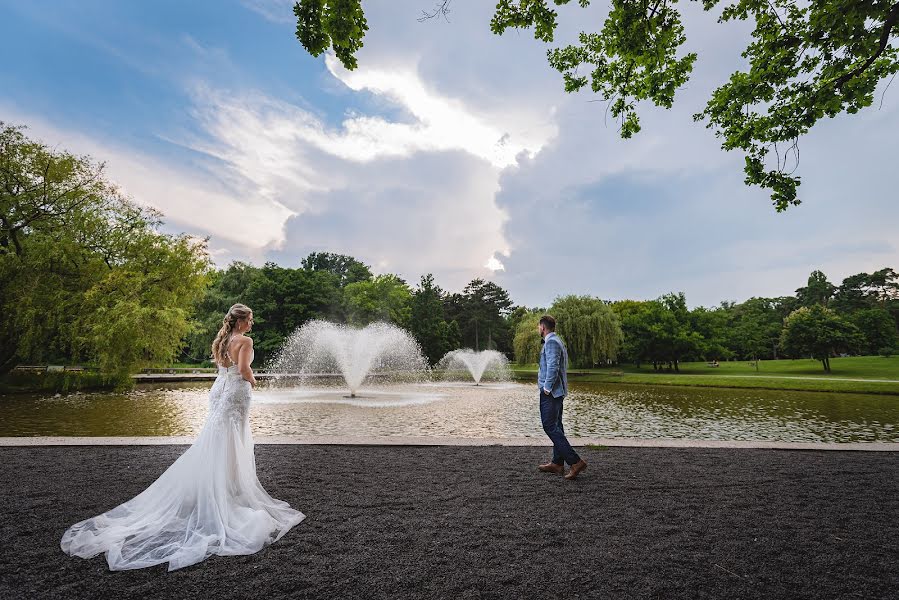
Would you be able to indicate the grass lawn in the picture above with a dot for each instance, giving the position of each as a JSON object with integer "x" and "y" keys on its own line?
{"x": 855, "y": 367}
{"x": 803, "y": 374}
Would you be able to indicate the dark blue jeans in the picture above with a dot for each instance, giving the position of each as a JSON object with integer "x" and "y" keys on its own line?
{"x": 551, "y": 416}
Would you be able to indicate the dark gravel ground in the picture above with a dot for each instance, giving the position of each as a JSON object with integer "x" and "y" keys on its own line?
{"x": 481, "y": 522}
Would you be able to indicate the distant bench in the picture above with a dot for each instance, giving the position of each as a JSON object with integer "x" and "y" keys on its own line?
{"x": 48, "y": 368}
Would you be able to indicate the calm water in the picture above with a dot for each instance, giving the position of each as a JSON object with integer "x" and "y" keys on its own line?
{"x": 463, "y": 410}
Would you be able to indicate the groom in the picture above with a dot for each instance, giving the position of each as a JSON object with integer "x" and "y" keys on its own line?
{"x": 552, "y": 379}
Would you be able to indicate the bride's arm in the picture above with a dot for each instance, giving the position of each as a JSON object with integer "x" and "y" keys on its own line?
{"x": 243, "y": 361}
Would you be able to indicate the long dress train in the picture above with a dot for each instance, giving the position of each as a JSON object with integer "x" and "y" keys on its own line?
{"x": 209, "y": 501}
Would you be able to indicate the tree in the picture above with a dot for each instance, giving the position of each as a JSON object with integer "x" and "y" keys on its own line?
{"x": 139, "y": 312}
{"x": 520, "y": 312}
{"x": 481, "y": 311}
{"x": 884, "y": 285}
{"x": 527, "y": 339}
{"x": 85, "y": 273}
{"x": 817, "y": 291}
{"x": 658, "y": 331}
{"x": 806, "y": 61}
{"x": 877, "y": 328}
{"x": 226, "y": 287}
{"x": 818, "y": 332}
{"x": 383, "y": 298}
{"x": 864, "y": 290}
{"x": 283, "y": 299}
{"x": 346, "y": 268}
{"x": 755, "y": 328}
{"x": 589, "y": 327}
{"x": 633, "y": 317}
{"x": 435, "y": 335}
{"x": 713, "y": 326}
{"x": 337, "y": 24}
{"x": 676, "y": 341}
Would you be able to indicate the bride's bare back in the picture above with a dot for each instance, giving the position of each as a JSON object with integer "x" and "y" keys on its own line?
{"x": 240, "y": 353}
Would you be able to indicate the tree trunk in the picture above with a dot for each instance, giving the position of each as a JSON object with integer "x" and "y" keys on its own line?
{"x": 7, "y": 358}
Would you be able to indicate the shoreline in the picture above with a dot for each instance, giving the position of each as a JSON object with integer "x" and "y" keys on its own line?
{"x": 419, "y": 441}
{"x": 707, "y": 381}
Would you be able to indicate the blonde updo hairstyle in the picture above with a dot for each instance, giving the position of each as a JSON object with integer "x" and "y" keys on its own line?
{"x": 223, "y": 339}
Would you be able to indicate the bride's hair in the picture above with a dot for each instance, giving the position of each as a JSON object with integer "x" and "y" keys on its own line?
{"x": 220, "y": 344}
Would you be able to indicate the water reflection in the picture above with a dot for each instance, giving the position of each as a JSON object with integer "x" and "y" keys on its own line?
{"x": 465, "y": 410}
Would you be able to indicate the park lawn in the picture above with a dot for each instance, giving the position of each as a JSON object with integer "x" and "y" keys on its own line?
{"x": 800, "y": 375}
{"x": 856, "y": 367}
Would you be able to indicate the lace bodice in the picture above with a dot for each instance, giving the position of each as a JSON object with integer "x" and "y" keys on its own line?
{"x": 229, "y": 398}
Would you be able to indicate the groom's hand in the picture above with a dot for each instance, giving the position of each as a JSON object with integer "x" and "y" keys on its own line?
{"x": 546, "y": 391}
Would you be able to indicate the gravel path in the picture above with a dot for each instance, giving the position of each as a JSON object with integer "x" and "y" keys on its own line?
{"x": 481, "y": 522}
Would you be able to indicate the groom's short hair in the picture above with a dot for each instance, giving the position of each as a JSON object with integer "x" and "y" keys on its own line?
{"x": 548, "y": 322}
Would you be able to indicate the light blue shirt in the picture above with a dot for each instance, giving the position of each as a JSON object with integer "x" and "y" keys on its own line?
{"x": 553, "y": 366}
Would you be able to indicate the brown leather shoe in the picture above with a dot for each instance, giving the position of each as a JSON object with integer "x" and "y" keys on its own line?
{"x": 575, "y": 469}
{"x": 552, "y": 467}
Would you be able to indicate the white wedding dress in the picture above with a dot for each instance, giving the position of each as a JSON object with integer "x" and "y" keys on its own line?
{"x": 209, "y": 501}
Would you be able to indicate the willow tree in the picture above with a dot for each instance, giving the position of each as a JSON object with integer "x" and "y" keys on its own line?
{"x": 589, "y": 327}
{"x": 526, "y": 343}
{"x": 85, "y": 273}
{"x": 806, "y": 61}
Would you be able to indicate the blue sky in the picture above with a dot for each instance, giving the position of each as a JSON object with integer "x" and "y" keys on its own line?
{"x": 449, "y": 147}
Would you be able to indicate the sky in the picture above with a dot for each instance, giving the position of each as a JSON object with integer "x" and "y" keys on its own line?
{"x": 450, "y": 150}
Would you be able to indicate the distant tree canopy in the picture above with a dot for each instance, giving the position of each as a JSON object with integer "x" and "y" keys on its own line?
{"x": 482, "y": 311}
{"x": 381, "y": 298}
{"x": 806, "y": 61}
{"x": 346, "y": 268}
{"x": 428, "y": 322}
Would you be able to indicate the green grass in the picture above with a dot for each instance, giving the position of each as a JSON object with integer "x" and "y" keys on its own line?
{"x": 803, "y": 374}
{"x": 856, "y": 367}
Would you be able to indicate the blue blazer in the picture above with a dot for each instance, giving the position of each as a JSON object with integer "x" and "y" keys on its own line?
{"x": 553, "y": 373}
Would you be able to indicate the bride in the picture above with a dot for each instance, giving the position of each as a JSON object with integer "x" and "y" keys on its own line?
{"x": 209, "y": 500}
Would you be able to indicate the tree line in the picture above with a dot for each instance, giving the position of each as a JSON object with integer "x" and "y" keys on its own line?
{"x": 86, "y": 275}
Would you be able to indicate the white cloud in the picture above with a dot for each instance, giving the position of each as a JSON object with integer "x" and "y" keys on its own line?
{"x": 442, "y": 123}
{"x": 239, "y": 222}
{"x": 494, "y": 264}
{"x": 373, "y": 175}
{"x": 277, "y": 11}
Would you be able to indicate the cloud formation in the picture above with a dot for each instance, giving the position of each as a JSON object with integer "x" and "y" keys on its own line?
{"x": 454, "y": 151}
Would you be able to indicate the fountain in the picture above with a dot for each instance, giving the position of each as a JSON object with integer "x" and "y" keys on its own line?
{"x": 493, "y": 363}
{"x": 320, "y": 349}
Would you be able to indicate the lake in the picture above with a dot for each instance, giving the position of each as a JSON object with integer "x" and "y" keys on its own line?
{"x": 495, "y": 410}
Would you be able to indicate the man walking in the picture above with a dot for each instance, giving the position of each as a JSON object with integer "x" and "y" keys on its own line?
{"x": 552, "y": 378}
